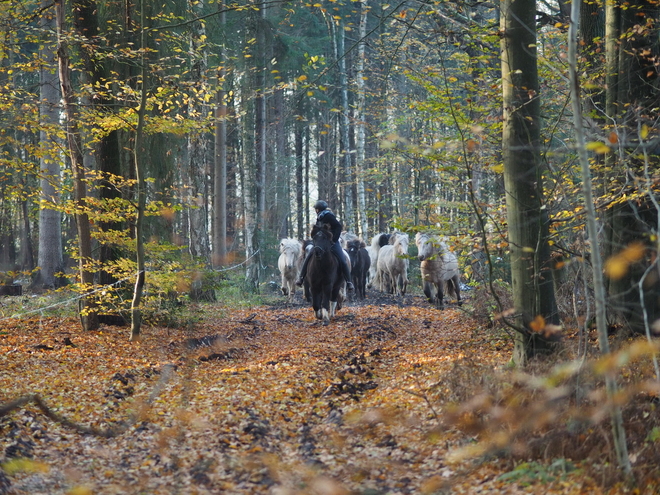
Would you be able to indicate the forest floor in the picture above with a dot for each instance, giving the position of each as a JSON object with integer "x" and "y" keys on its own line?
{"x": 393, "y": 397}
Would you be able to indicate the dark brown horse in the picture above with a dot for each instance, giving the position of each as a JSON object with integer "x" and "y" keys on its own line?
{"x": 324, "y": 275}
{"x": 360, "y": 264}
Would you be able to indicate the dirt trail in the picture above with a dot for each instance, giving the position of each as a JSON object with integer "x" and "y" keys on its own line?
{"x": 262, "y": 400}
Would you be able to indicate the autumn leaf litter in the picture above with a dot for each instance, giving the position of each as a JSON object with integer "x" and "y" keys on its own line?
{"x": 260, "y": 400}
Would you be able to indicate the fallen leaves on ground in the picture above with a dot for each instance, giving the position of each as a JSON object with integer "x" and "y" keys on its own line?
{"x": 261, "y": 400}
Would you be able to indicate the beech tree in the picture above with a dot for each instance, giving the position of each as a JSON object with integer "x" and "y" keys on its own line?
{"x": 632, "y": 97}
{"x": 50, "y": 258}
{"x": 89, "y": 316}
{"x": 533, "y": 293}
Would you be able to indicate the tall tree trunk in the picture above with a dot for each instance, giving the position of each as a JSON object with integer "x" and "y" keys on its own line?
{"x": 282, "y": 204}
{"x": 632, "y": 51}
{"x": 533, "y": 293}
{"x": 298, "y": 144}
{"x": 50, "y": 257}
{"x": 197, "y": 143}
{"x": 344, "y": 132}
{"x": 107, "y": 154}
{"x": 140, "y": 191}
{"x": 327, "y": 172}
{"x": 360, "y": 139}
{"x": 89, "y": 316}
{"x": 27, "y": 254}
{"x": 254, "y": 252}
{"x": 220, "y": 183}
{"x": 618, "y": 431}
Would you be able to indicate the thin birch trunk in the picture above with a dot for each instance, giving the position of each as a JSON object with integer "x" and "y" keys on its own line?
{"x": 138, "y": 154}
{"x": 360, "y": 143}
{"x": 618, "y": 431}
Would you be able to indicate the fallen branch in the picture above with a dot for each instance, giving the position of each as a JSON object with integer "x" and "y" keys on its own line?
{"x": 58, "y": 418}
{"x": 110, "y": 432}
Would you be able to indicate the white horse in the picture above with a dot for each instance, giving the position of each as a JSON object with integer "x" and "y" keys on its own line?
{"x": 289, "y": 264}
{"x": 392, "y": 271}
{"x": 377, "y": 241}
{"x": 439, "y": 268}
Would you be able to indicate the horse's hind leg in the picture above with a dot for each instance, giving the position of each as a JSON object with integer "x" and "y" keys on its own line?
{"x": 457, "y": 289}
{"x": 428, "y": 291}
{"x": 440, "y": 297}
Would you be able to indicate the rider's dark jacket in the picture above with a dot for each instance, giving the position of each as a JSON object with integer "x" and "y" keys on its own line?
{"x": 326, "y": 216}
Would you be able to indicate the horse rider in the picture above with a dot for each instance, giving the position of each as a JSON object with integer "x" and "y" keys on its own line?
{"x": 324, "y": 215}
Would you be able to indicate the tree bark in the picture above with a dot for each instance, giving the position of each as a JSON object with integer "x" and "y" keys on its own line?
{"x": 253, "y": 274}
{"x": 50, "y": 255}
{"x": 618, "y": 431}
{"x": 197, "y": 144}
{"x": 300, "y": 206}
{"x": 89, "y": 316}
{"x": 632, "y": 51}
{"x": 140, "y": 191}
{"x": 360, "y": 139}
{"x": 220, "y": 182}
{"x": 533, "y": 292}
{"x": 344, "y": 133}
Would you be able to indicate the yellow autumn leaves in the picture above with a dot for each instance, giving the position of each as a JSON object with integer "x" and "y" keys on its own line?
{"x": 616, "y": 267}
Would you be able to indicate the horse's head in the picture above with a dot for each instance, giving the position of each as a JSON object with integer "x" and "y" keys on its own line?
{"x": 322, "y": 239}
{"x": 400, "y": 242}
{"x": 424, "y": 246}
{"x": 353, "y": 249}
{"x": 354, "y": 246}
{"x": 290, "y": 250}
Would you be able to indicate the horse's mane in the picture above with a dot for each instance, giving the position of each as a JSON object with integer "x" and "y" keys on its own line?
{"x": 396, "y": 236}
{"x": 438, "y": 242}
{"x": 320, "y": 226}
{"x": 290, "y": 243}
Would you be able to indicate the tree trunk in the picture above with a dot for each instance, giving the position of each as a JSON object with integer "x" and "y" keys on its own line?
{"x": 533, "y": 293}
{"x": 254, "y": 254}
{"x": 197, "y": 144}
{"x": 344, "y": 133}
{"x": 300, "y": 205}
{"x": 138, "y": 157}
{"x": 361, "y": 124}
{"x": 50, "y": 258}
{"x": 220, "y": 183}
{"x": 618, "y": 431}
{"x": 89, "y": 316}
{"x": 632, "y": 51}
{"x": 280, "y": 197}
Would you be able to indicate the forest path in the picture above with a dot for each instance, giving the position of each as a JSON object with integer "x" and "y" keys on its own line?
{"x": 258, "y": 400}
